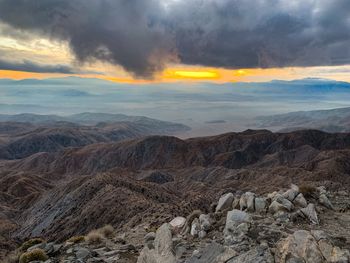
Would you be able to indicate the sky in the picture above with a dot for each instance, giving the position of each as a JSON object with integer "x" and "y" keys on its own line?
{"x": 133, "y": 41}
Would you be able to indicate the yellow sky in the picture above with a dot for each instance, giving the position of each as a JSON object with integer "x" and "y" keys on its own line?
{"x": 44, "y": 51}
{"x": 202, "y": 74}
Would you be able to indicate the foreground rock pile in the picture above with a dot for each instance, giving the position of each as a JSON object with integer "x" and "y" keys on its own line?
{"x": 283, "y": 226}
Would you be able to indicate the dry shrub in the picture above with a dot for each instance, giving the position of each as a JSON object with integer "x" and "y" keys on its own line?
{"x": 308, "y": 191}
{"x": 31, "y": 243}
{"x": 35, "y": 254}
{"x": 94, "y": 237}
{"x": 76, "y": 239}
{"x": 107, "y": 231}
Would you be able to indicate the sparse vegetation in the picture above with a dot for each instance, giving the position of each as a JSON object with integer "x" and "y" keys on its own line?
{"x": 76, "y": 239}
{"x": 107, "y": 231}
{"x": 31, "y": 243}
{"x": 308, "y": 191}
{"x": 35, "y": 254}
{"x": 94, "y": 237}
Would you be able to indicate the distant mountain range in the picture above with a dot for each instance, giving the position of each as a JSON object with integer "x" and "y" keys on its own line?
{"x": 334, "y": 120}
{"x": 25, "y": 134}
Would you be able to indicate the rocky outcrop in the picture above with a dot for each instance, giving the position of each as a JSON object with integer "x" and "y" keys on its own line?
{"x": 163, "y": 248}
{"x": 303, "y": 246}
{"x": 234, "y": 236}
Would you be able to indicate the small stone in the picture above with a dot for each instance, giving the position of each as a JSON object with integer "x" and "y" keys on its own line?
{"x": 260, "y": 205}
{"x": 290, "y": 194}
{"x": 178, "y": 223}
{"x": 195, "y": 227}
{"x": 225, "y": 202}
{"x": 276, "y": 207}
{"x": 204, "y": 221}
{"x": 272, "y": 195}
{"x": 82, "y": 253}
{"x": 285, "y": 202}
{"x": 319, "y": 235}
{"x": 247, "y": 202}
{"x": 310, "y": 213}
{"x": 300, "y": 201}
{"x": 323, "y": 200}
{"x": 294, "y": 187}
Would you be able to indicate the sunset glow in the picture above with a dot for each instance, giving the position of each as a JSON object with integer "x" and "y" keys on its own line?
{"x": 190, "y": 74}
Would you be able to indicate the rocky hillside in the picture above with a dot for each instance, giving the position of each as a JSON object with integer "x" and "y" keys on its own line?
{"x": 292, "y": 225}
{"x": 38, "y": 133}
{"x": 149, "y": 181}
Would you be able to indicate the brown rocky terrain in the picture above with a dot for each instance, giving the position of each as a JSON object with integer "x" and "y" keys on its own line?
{"x": 48, "y": 134}
{"x": 150, "y": 180}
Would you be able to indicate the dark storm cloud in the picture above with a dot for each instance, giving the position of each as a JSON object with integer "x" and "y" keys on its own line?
{"x": 29, "y": 66}
{"x": 144, "y": 35}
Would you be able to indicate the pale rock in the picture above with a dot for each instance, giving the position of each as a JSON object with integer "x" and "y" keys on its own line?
{"x": 322, "y": 190}
{"x": 319, "y": 235}
{"x": 323, "y": 200}
{"x": 333, "y": 254}
{"x": 300, "y": 246}
{"x": 195, "y": 227}
{"x": 178, "y": 223}
{"x": 300, "y": 201}
{"x": 310, "y": 213}
{"x": 284, "y": 201}
{"x": 294, "y": 187}
{"x": 272, "y": 195}
{"x": 276, "y": 207}
{"x": 247, "y": 201}
{"x": 290, "y": 194}
{"x": 225, "y": 202}
{"x": 82, "y": 253}
{"x": 236, "y": 217}
{"x": 260, "y": 205}
{"x": 163, "y": 248}
{"x": 163, "y": 244}
{"x": 237, "y": 226}
{"x": 205, "y": 222}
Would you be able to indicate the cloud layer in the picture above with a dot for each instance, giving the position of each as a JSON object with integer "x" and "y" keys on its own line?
{"x": 143, "y": 36}
{"x": 29, "y": 66}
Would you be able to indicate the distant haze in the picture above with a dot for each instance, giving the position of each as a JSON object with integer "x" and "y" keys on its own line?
{"x": 208, "y": 108}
